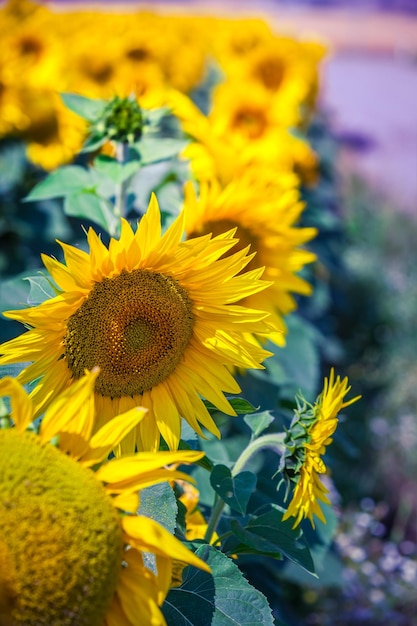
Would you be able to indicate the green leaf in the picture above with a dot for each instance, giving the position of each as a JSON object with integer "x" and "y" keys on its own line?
{"x": 117, "y": 172}
{"x": 155, "y": 149}
{"x": 41, "y": 289}
{"x": 88, "y": 108}
{"x": 153, "y": 117}
{"x": 93, "y": 142}
{"x": 159, "y": 503}
{"x": 259, "y": 422}
{"x": 14, "y": 292}
{"x": 320, "y": 539}
{"x": 300, "y": 358}
{"x": 240, "y": 405}
{"x": 66, "y": 180}
{"x": 223, "y": 599}
{"x": 88, "y": 205}
{"x": 329, "y": 573}
{"x": 268, "y": 535}
{"x": 234, "y": 490}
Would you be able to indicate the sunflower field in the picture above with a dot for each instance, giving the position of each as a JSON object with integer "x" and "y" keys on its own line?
{"x": 180, "y": 332}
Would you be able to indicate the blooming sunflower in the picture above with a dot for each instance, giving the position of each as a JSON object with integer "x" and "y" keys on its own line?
{"x": 238, "y": 137}
{"x": 306, "y": 441}
{"x": 286, "y": 67}
{"x": 158, "y": 317}
{"x": 71, "y": 541}
{"x": 271, "y": 231}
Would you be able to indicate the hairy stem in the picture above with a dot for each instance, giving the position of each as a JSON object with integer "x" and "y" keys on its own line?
{"x": 120, "y": 209}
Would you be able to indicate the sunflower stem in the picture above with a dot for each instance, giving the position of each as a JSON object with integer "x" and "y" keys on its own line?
{"x": 120, "y": 208}
{"x": 275, "y": 441}
{"x": 215, "y": 516}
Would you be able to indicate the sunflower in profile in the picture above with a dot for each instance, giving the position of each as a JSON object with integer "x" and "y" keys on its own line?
{"x": 72, "y": 540}
{"x": 305, "y": 443}
{"x": 157, "y": 315}
{"x": 271, "y": 230}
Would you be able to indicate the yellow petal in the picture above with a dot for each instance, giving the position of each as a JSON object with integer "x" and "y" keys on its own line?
{"x": 21, "y": 404}
{"x": 72, "y": 411}
{"x": 131, "y": 467}
{"x": 148, "y": 233}
{"x": 110, "y": 435}
{"x": 146, "y": 534}
{"x": 128, "y": 502}
{"x": 138, "y": 592}
{"x": 166, "y": 415}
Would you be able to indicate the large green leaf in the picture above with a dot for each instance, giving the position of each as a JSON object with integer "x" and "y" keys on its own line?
{"x": 87, "y": 108}
{"x": 268, "y": 535}
{"x": 300, "y": 358}
{"x": 14, "y": 292}
{"x": 88, "y": 205}
{"x": 41, "y": 289}
{"x": 234, "y": 490}
{"x": 159, "y": 503}
{"x": 117, "y": 172}
{"x": 154, "y": 149}
{"x": 258, "y": 422}
{"x": 223, "y": 599}
{"x": 66, "y": 180}
{"x": 329, "y": 574}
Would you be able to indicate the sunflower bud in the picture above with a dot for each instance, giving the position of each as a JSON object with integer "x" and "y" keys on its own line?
{"x": 121, "y": 120}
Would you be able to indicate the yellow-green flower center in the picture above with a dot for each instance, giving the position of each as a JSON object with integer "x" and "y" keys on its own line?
{"x": 61, "y": 543}
{"x": 135, "y": 327}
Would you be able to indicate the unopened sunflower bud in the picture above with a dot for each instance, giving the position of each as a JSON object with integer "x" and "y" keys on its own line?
{"x": 121, "y": 120}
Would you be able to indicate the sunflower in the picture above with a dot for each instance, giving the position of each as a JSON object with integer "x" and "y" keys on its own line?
{"x": 232, "y": 40}
{"x": 242, "y": 135}
{"x": 246, "y": 112}
{"x": 156, "y": 315}
{"x": 271, "y": 231}
{"x": 286, "y": 67}
{"x": 306, "y": 441}
{"x": 72, "y": 542}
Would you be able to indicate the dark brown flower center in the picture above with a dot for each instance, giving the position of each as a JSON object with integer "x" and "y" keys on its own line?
{"x": 135, "y": 327}
{"x": 250, "y": 121}
{"x": 270, "y": 72}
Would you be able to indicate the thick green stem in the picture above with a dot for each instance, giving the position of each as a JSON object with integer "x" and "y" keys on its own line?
{"x": 273, "y": 441}
{"x": 215, "y": 516}
{"x": 122, "y": 150}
